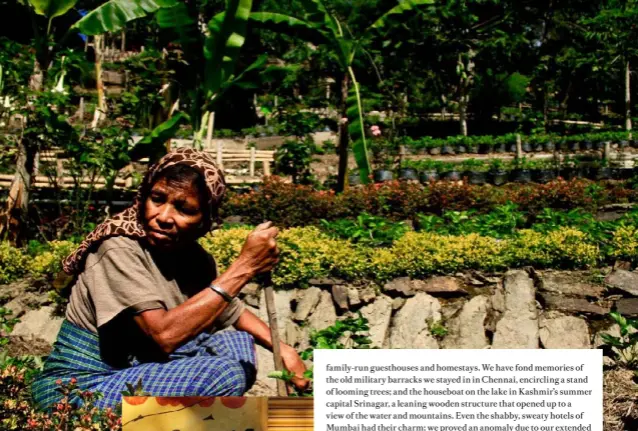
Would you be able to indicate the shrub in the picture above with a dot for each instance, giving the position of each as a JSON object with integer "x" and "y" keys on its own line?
{"x": 282, "y": 203}
{"x": 563, "y": 248}
{"x": 289, "y": 205}
{"x": 624, "y": 243}
{"x": 625, "y": 347}
{"x": 225, "y": 245}
{"x": 421, "y": 254}
{"x": 49, "y": 262}
{"x": 294, "y": 157}
{"x": 17, "y": 413}
{"x": 13, "y": 263}
{"x": 366, "y": 229}
{"x": 305, "y": 253}
{"x": 308, "y": 253}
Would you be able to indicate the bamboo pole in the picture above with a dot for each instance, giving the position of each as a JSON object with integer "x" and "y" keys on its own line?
{"x": 274, "y": 334}
{"x": 519, "y": 147}
{"x": 628, "y": 99}
{"x": 252, "y": 161}
{"x": 209, "y": 131}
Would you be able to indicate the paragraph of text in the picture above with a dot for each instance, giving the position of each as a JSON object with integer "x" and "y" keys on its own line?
{"x": 458, "y": 390}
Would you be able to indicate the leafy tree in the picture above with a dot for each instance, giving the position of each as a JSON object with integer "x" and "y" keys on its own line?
{"x": 320, "y": 24}
{"x": 211, "y": 56}
{"x": 111, "y": 16}
{"x": 615, "y": 27}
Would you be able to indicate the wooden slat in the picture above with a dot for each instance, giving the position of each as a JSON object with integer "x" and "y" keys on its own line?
{"x": 293, "y": 403}
{"x": 51, "y": 159}
{"x": 253, "y": 156}
{"x": 293, "y": 422}
{"x": 247, "y": 159}
{"x": 287, "y": 413}
{"x": 290, "y": 414}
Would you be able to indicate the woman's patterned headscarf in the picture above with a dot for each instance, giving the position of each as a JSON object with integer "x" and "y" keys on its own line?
{"x": 130, "y": 222}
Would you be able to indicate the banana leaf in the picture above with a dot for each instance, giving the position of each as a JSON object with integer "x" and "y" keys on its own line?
{"x": 113, "y": 15}
{"x": 287, "y": 24}
{"x": 404, "y": 6}
{"x": 221, "y": 49}
{"x": 152, "y": 145}
{"x": 52, "y": 8}
{"x": 317, "y": 13}
{"x": 179, "y": 20}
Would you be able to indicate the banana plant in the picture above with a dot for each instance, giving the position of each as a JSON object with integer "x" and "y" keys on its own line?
{"x": 111, "y": 16}
{"x": 210, "y": 56}
{"x": 321, "y": 26}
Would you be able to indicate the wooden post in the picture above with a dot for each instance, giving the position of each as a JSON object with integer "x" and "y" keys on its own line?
{"x": 607, "y": 152}
{"x": 274, "y": 334}
{"x": 266, "y": 167}
{"x": 209, "y": 132}
{"x": 519, "y": 147}
{"x": 36, "y": 164}
{"x": 59, "y": 171}
{"x": 219, "y": 154}
{"x": 80, "y": 113}
{"x": 252, "y": 161}
{"x": 123, "y": 42}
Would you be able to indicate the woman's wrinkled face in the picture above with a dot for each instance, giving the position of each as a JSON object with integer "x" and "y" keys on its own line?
{"x": 173, "y": 215}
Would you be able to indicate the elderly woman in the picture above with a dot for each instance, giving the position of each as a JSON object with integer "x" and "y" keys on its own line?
{"x": 147, "y": 298}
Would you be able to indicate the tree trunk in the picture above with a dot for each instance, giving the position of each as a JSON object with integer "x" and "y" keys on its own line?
{"x": 13, "y": 216}
{"x": 343, "y": 135}
{"x": 465, "y": 82}
{"x": 100, "y": 111}
{"x": 628, "y": 99}
{"x": 18, "y": 199}
{"x": 463, "y": 112}
{"x": 564, "y": 104}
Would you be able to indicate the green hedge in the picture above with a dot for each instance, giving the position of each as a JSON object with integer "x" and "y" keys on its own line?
{"x": 307, "y": 253}
{"x": 310, "y": 253}
{"x": 16, "y": 263}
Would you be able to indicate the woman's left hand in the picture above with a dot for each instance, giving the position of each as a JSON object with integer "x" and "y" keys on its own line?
{"x": 295, "y": 365}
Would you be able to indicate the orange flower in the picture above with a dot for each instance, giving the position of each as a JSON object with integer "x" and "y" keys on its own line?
{"x": 134, "y": 401}
{"x": 186, "y": 401}
{"x": 233, "y": 402}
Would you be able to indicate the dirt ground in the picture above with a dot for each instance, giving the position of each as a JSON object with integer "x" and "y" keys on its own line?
{"x": 620, "y": 400}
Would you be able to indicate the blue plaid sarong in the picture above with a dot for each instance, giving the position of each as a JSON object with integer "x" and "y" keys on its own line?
{"x": 209, "y": 365}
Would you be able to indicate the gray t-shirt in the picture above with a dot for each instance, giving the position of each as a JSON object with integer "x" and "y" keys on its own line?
{"x": 122, "y": 276}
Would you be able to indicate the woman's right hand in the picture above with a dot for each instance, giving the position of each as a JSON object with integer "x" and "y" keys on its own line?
{"x": 260, "y": 250}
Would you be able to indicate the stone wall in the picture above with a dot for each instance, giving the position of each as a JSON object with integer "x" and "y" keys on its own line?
{"x": 519, "y": 309}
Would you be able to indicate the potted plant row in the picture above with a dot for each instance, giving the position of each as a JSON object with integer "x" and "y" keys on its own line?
{"x": 498, "y": 172}
{"x": 507, "y": 143}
